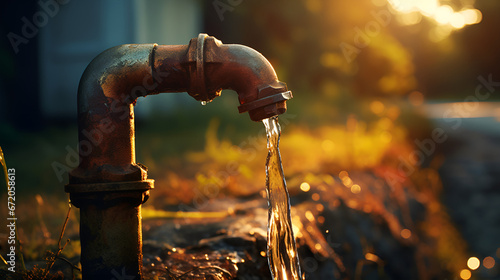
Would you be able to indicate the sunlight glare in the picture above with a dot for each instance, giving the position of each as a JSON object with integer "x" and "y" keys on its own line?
{"x": 457, "y": 20}
{"x": 472, "y": 16}
{"x": 410, "y": 18}
{"x": 427, "y": 7}
{"x": 443, "y": 14}
{"x": 410, "y": 12}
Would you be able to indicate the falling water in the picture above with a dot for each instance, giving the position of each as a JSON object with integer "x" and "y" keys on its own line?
{"x": 281, "y": 249}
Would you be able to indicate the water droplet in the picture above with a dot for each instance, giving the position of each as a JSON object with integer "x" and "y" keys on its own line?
{"x": 203, "y": 103}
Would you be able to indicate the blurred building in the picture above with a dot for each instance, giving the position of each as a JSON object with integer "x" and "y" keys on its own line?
{"x": 67, "y": 35}
{"x": 83, "y": 29}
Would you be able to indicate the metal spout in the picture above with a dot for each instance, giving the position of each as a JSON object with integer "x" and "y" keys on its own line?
{"x": 240, "y": 68}
{"x": 109, "y": 186}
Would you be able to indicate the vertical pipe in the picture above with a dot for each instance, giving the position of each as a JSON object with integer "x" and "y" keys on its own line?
{"x": 111, "y": 240}
{"x": 110, "y": 228}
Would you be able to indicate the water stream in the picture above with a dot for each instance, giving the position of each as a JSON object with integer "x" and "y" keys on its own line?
{"x": 281, "y": 249}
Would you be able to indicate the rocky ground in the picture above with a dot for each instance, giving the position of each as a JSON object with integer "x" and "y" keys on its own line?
{"x": 339, "y": 237}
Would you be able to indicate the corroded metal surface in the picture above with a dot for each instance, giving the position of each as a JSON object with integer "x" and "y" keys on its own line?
{"x": 115, "y": 79}
{"x": 108, "y": 185}
{"x": 111, "y": 235}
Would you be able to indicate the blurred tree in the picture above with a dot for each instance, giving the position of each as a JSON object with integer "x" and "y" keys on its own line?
{"x": 366, "y": 48}
{"x": 327, "y": 46}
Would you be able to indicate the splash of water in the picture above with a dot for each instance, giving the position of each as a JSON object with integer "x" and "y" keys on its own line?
{"x": 281, "y": 249}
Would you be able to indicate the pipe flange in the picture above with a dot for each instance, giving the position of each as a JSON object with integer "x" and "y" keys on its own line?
{"x": 144, "y": 185}
{"x": 200, "y": 71}
{"x": 199, "y": 49}
{"x": 262, "y": 102}
{"x": 197, "y": 87}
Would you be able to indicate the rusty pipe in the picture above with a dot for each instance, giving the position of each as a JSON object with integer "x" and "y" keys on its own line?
{"x": 108, "y": 185}
{"x": 115, "y": 79}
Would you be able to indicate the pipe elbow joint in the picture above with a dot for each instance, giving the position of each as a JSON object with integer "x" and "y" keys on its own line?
{"x": 215, "y": 66}
{"x": 113, "y": 74}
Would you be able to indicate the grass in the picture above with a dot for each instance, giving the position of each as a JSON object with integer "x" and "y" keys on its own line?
{"x": 10, "y": 184}
{"x": 36, "y": 273}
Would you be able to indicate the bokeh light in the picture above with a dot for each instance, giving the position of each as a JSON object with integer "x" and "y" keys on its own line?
{"x": 472, "y": 16}
{"x": 321, "y": 219}
{"x": 305, "y": 187}
{"x": 377, "y": 107}
{"x": 406, "y": 233}
{"x": 309, "y": 216}
{"x": 355, "y": 189}
{"x": 416, "y": 98}
{"x": 371, "y": 257}
{"x": 473, "y": 263}
{"x": 410, "y": 12}
{"x": 465, "y": 274}
{"x": 489, "y": 262}
{"x": 315, "y": 197}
